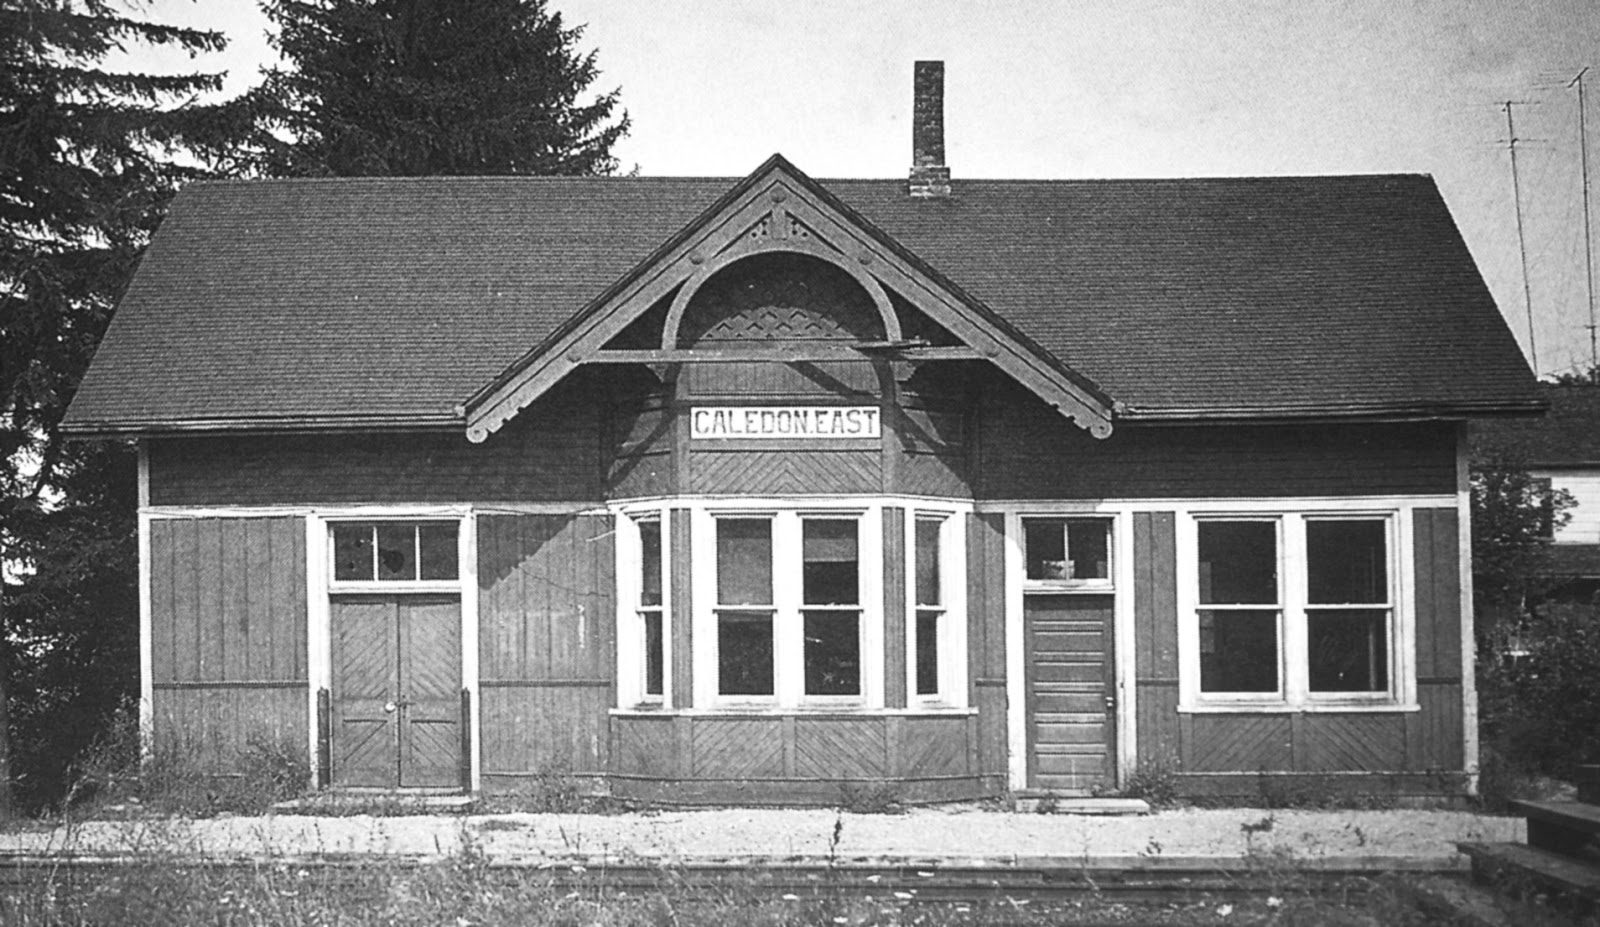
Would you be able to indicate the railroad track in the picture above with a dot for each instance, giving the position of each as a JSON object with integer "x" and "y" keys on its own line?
{"x": 1148, "y": 882}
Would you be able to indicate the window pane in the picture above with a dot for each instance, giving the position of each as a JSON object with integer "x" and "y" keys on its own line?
{"x": 397, "y": 552}
{"x": 1238, "y": 651}
{"x": 1088, "y": 548}
{"x": 352, "y": 552}
{"x": 1238, "y": 562}
{"x": 744, "y": 561}
{"x": 744, "y": 653}
{"x": 654, "y": 654}
{"x": 833, "y": 653}
{"x": 650, "y": 557}
{"x": 1347, "y": 561}
{"x": 439, "y": 551}
{"x": 928, "y": 587}
{"x": 829, "y": 572}
{"x": 1348, "y": 649}
{"x": 1045, "y": 540}
{"x": 927, "y": 653}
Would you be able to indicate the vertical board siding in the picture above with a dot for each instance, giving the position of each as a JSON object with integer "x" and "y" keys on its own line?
{"x": 682, "y": 611}
{"x": 214, "y": 729}
{"x": 228, "y": 600}
{"x": 986, "y": 636}
{"x": 228, "y": 635}
{"x": 1155, "y": 617}
{"x": 1438, "y": 594}
{"x": 546, "y": 641}
{"x": 895, "y": 637}
{"x": 538, "y": 729}
{"x": 1434, "y": 733}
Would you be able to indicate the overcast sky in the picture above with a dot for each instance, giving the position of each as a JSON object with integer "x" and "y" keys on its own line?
{"x": 1118, "y": 89}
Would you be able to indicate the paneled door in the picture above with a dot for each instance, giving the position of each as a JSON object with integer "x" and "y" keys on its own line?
{"x": 1071, "y": 716}
{"x": 396, "y": 691}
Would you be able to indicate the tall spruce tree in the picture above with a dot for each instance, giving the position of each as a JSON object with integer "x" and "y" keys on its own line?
{"x": 429, "y": 87}
{"x": 89, "y": 159}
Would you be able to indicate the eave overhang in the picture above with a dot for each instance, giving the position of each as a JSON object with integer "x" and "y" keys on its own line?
{"x": 1330, "y": 412}
{"x": 778, "y": 208}
{"x": 265, "y": 424}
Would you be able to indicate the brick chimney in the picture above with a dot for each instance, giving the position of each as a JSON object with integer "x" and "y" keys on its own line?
{"x": 929, "y": 176}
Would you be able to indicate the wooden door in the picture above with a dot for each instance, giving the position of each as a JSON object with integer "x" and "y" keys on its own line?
{"x": 1071, "y": 716}
{"x": 396, "y": 691}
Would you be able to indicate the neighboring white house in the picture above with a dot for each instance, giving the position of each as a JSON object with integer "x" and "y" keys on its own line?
{"x": 1563, "y": 447}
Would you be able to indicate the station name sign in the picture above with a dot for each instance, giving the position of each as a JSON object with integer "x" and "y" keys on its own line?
{"x": 784, "y": 422}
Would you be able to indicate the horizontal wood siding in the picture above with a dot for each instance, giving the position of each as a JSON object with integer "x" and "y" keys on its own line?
{"x": 1029, "y": 451}
{"x": 551, "y": 451}
{"x": 546, "y": 617}
{"x": 228, "y": 635}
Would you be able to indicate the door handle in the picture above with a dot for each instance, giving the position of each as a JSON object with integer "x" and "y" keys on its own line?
{"x": 389, "y": 707}
{"x": 1111, "y": 703}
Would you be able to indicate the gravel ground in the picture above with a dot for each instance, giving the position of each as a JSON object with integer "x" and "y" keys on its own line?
{"x": 1405, "y": 839}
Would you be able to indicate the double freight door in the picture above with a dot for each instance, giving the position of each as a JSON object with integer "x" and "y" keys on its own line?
{"x": 396, "y": 696}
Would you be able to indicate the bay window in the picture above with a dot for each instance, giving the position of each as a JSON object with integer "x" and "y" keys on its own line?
{"x": 1297, "y": 609}
{"x": 788, "y": 608}
{"x": 788, "y": 604}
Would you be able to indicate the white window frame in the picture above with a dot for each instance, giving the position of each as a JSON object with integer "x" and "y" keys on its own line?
{"x": 338, "y": 586}
{"x": 632, "y": 659}
{"x": 952, "y": 624}
{"x": 788, "y": 620}
{"x": 1107, "y": 584}
{"x": 1294, "y": 692}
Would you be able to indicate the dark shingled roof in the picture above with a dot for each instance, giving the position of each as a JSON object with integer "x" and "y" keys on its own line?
{"x": 1568, "y": 435}
{"x": 392, "y": 301}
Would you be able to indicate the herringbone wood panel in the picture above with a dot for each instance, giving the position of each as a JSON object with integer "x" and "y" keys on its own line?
{"x": 934, "y": 747}
{"x": 734, "y": 747}
{"x": 646, "y": 747}
{"x": 787, "y": 471}
{"x": 839, "y": 748}
{"x": 1336, "y": 743}
{"x": 1224, "y": 743}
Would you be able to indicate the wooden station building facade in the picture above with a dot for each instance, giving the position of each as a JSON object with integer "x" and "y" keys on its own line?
{"x": 760, "y": 490}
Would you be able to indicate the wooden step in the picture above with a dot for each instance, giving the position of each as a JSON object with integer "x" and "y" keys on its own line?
{"x": 1520, "y": 871}
{"x": 1563, "y": 826}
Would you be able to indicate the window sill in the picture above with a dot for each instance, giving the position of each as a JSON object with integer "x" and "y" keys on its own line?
{"x": 1309, "y": 708}
{"x": 798, "y": 712}
{"x": 451, "y": 586}
{"x": 1057, "y": 587}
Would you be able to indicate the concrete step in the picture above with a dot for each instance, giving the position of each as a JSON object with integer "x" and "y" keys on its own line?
{"x": 1568, "y": 827}
{"x": 1523, "y": 871}
{"x": 1048, "y": 804}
